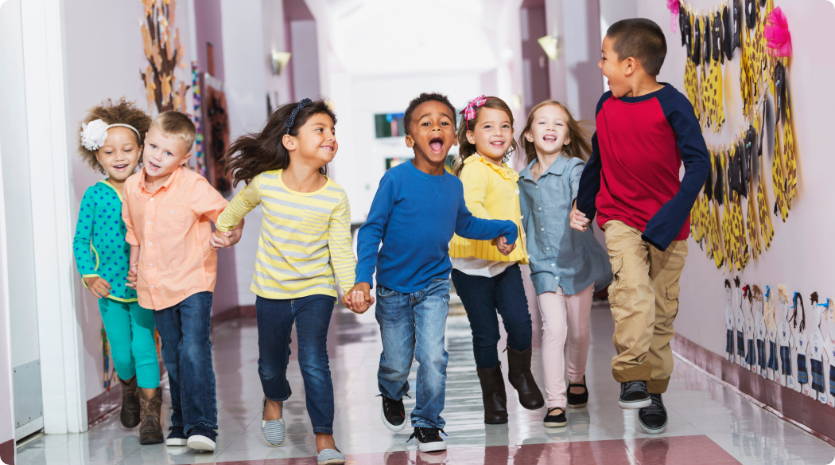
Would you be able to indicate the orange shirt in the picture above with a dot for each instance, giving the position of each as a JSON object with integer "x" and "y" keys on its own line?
{"x": 172, "y": 228}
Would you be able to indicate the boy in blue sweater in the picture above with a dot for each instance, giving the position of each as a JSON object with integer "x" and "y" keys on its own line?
{"x": 417, "y": 208}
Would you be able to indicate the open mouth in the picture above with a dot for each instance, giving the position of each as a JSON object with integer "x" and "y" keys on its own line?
{"x": 327, "y": 147}
{"x": 497, "y": 143}
{"x": 153, "y": 165}
{"x": 120, "y": 166}
{"x": 549, "y": 138}
{"x": 436, "y": 144}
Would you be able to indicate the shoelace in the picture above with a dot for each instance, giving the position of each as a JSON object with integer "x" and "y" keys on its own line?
{"x": 440, "y": 431}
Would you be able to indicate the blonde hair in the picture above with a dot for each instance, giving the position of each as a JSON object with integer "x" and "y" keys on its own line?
{"x": 121, "y": 112}
{"x": 579, "y": 146}
{"x": 177, "y": 124}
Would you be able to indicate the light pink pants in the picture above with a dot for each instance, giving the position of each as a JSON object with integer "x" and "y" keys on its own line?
{"x": 565, "y": 335}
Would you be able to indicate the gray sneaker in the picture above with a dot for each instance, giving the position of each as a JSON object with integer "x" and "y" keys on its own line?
{"x": 274, "y": 431}
{"x": 330, "y": 457}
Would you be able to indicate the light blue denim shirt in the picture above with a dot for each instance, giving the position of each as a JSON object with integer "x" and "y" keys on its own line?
{"x": 559, "y": 256}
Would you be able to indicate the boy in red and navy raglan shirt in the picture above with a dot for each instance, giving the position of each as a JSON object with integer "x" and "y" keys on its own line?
{"x": 645, "y": 130}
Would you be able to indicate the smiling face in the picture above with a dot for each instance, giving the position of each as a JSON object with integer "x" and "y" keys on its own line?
{"x": 163, "y": 154}
{"x": 549, "y": 130}
{"x": 119, "y": 155}
{"x": 315, "y": 141}
{"x": 616, "y": 70}
{"x": 431, "y": 133}
{"x": 492, "y": 133}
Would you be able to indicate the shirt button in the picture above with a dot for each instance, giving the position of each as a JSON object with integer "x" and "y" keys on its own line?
{"x": 542, "y": 229}
{"x": 539, "y": 208}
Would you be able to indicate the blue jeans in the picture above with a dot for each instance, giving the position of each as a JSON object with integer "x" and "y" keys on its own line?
{"x": 185, "y": 330}
{"x": 312, "y": 315}
{"x": 482, "y": 298}
{"x": 412, "y": 326}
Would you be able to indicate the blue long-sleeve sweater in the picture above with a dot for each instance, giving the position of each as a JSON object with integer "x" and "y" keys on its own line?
{"x": 414, "y": 214}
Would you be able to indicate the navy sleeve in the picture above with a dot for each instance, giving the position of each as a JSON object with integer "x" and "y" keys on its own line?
{"x": 470, "y": 227}
{"x": 590, "y": 180}
{"x": 371, "y": 233}
{"x": 665, "y": 225}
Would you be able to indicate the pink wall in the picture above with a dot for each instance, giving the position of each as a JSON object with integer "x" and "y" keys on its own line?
{"x": 207, "y": 20}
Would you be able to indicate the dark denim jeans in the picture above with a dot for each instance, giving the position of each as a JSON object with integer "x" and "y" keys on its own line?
{"x": 312, "y": 315}
{"x": 185, "y": 330}
{"x": 413, "y": 326}
{"x": 482, "y": 298}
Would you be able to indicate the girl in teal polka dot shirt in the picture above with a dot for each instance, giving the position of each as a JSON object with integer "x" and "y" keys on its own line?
{"x": 111, "y": 142}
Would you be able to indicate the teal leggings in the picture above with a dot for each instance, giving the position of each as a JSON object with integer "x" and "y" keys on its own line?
{"x": 130, "y": 331}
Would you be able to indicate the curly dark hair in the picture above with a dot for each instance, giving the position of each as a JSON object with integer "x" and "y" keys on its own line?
{"x": 465, "y": 148}
{"x": 423, "y": 98}
{"x": 255, "y": 153}
{"x": 122, "y": 112}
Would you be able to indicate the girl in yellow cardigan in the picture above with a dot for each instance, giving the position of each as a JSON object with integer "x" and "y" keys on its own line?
{"x": 487, "y": 281}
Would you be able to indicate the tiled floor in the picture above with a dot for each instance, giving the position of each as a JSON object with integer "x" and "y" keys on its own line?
{"x": 709, "y": 423}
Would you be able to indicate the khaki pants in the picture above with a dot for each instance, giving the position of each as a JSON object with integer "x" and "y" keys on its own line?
{"x": 644, "y": 300}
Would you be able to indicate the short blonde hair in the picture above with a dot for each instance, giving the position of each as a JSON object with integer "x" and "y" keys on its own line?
{"x": 177, "y": 124}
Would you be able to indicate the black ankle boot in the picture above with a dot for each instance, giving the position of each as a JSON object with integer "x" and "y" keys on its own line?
{"x": 129, "y": 415}
{"x": 520, "y": 376}
{"x": 493, "y": 395}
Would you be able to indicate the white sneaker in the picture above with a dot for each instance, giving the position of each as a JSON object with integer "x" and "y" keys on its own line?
{"x": 201, "y": 443}
{"x": 175, "y": 442}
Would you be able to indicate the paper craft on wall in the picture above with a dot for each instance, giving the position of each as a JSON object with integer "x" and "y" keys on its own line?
{"x": 731, "y": 219}
{"x": 163, "y": 52}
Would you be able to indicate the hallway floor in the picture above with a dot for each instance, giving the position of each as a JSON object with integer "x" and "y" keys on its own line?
{"x": 709, "y": 423}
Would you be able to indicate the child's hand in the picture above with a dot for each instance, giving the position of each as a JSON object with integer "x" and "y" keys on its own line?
{"x": 132, "y": 276}
{"x": 221, "y": 239}
{"x": 501, "y": 244}
{"x": 358, "y": 299}
{"x": 97, "y": 286}
{"x": 578, "y": 220}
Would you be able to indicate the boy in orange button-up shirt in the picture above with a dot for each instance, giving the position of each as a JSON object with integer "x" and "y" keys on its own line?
{"x": 168, "y": 211}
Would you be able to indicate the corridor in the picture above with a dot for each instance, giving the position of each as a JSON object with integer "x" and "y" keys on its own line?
{"x": 710, "y": 424}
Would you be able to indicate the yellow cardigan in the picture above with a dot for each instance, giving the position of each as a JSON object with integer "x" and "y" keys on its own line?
{"x": 490, "y": 192}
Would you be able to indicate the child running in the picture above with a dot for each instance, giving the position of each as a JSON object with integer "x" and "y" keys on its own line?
{"x": 111, "y": 143}
{"x": 168, "y": 212}
{"x": 303, "y": 251}
{"x": 486, "y": 280}
{"x": 645, "y": 130}
{"x": 566, "y": 265}
{"x": 417, "y": 208}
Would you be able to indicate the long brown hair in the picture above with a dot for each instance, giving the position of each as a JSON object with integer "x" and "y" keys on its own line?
{"x": 255, "y": 153}
{"x": 579, "y": 146}
{"x": 465, "y": 148}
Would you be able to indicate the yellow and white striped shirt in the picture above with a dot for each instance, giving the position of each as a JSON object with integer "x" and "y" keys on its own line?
{"x": 305, "y": 237}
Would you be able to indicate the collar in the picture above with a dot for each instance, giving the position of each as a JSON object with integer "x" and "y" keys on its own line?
{"x": 503, "y": 170}
{"x": 558, "y": 167}
{"x": 165, "y": 186}
{"x": 111, "y": 186}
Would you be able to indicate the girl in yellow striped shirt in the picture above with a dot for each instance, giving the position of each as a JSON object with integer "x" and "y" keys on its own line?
{"x": 304, "y": 250}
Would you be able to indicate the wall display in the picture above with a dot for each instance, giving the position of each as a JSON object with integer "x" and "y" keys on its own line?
{"x": 389, "y": 125}
{"x": 164, "y": 53}
{"x": 216, "y": 129}
{"x": 199, "y": 159}
{"x": 771, "y": 332}
{"x": 732, "y": 217}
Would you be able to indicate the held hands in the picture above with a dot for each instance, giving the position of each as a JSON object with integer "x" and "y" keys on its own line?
{"x": 221, "y": 239}
{"x": 501, "y": 244}
{"x": 578, "y": 220}
{"x": 358, "y": 299}
{"x": 97, "y": 286}
{"x": 131, "y": 277}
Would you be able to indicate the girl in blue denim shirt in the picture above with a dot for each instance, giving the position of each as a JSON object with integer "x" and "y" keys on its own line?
{"x": 566, "y": 265}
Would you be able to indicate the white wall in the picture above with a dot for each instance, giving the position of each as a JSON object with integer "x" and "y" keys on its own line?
{"x": 802, "y": 250}
{"x": 7, "y": 430}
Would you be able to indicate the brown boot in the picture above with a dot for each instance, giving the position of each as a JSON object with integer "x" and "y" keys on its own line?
{"x": 493, "y": 395}
{"x": 129, "y": 415}
{"x": 520, "y": 376}
{"x": 150, "y": 430}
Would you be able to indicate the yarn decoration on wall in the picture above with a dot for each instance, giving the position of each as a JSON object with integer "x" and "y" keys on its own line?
{"x": 731, "y": 219}
{"x": 163, "y": 52}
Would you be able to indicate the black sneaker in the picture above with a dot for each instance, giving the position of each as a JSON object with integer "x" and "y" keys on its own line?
{"x": 578, "y": 400}
{"x": 555, "y": 420}
{"x": 633, "y": 394}
{"x": 653, "y": 419}
{"x": 429, "y": 439}
{"x": 394, "y": 414}
{"x": 176, "y": 437}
